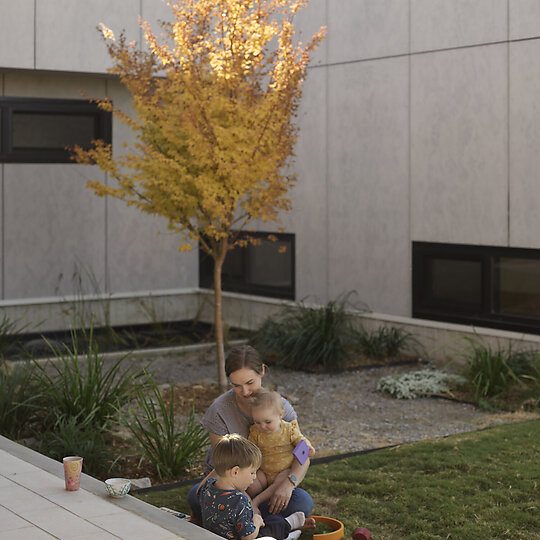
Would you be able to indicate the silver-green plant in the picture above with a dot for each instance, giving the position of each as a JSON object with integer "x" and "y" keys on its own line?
{"x": 418, "y": 383}
{"x": 170, "y": 447}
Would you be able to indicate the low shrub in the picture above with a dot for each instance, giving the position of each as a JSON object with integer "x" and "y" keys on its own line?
{"x": 418, "y": 383}
{"x": 169, "y": 447}
{"x": 307, "y": 338}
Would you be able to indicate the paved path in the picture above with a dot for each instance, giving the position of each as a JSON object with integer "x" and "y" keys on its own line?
{"x": 35, "y": 505}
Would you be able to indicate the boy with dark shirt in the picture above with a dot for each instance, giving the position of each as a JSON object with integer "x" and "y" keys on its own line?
{"x": 226, "y": 509}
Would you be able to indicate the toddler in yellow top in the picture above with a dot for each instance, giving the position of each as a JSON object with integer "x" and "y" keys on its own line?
{"x": 276, "y": 439}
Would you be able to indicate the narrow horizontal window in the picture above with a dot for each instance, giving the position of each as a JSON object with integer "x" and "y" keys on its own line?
{"x": 481, "y": 285}
{"x": 264, "y": 269}
{"x": 43, "y": 130}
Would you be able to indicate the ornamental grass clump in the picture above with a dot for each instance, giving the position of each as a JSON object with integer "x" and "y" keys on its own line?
{"x": 80, "y": 384}
{"x": 490, "y": 371}
{"x": 170, "y": 447}
{"x": 308, "y": 338}
{"x": 385, "y": 341}
{"x": 418, "y": 384}
{"x": 503, "y": 373}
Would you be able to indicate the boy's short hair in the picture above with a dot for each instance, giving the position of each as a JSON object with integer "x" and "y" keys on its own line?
{"x": 234, "y": 450}
{"x": 267, "y": 398}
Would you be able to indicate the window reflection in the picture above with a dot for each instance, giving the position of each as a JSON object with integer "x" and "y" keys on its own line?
{"x": 518, "y": 286}
{"x": 457, "y": 281}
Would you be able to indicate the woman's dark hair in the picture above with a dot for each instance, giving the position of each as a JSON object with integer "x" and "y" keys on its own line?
{"x": 243, "y": 356}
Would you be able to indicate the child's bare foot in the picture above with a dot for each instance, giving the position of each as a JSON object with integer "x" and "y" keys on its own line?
{"x": 309, "y": 523}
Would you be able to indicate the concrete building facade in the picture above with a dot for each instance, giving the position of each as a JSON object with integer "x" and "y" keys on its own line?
{"x": 420, "y": 123}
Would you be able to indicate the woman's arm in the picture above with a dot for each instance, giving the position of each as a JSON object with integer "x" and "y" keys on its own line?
{"x": 265, "y": 494}
{"x": 283, "y": 491}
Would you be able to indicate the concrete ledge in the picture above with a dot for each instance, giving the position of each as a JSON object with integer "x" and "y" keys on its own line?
{"x": 442, "y": 342}
{"x": 158, "y": 351}
{"x": 447, "y": 342}
{"x": 173, "y": 524}
{"x": 61, "y": 313}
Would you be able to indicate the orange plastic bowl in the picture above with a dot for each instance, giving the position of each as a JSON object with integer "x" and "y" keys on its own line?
{"x": 336, "y": 534}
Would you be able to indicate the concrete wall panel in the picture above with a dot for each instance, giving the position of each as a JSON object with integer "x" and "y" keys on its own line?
{"x": 368, "y": 183}
{"x": 308, "y": 22}
{"x": 154, "y": 13}
{"x": 440, "y": 24}
{"x": 66, "y": 34}
{"x": 356, "y": 29}
{"x": 524, "y": 17}
{"x": 459, "y": 146}
{"x": 142, "y": 253}
{"x": 17, "y": 34}
{"x": 52, "y": 226}
{"x": 308, "y": 218}
{"x": 524, "y": 144}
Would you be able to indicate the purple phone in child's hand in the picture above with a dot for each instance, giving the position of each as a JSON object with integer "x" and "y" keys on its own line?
{"x": 301, "y": 452}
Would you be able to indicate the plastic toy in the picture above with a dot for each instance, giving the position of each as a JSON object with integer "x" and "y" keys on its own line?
{"x": 361, "y": 534}
{"x": 301, "y": 452}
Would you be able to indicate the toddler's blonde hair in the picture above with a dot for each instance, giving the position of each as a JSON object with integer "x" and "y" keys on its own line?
{"x": 263, "y": 398}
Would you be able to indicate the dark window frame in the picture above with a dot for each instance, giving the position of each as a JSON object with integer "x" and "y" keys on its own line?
{"x": 242, "y": 286}
{"x": 488, "y": 314}
{"x": 11, "y": 105}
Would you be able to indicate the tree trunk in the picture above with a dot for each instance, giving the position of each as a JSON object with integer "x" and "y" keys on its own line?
{"x": 218, "y": 317}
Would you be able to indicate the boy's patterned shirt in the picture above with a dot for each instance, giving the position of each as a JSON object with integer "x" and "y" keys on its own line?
{"x": 227, "y": 513}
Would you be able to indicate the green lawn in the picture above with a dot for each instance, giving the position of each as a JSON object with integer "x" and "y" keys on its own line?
{"x": 478, "y": 486}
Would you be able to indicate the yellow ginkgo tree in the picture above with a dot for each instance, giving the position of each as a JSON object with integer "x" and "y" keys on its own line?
{"x": 215, "y": 96}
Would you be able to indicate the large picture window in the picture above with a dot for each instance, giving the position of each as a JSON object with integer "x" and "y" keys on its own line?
{"x": 481, "y": 285}
{"x": 266, "y": 269}
{"x": 42, "y": 130}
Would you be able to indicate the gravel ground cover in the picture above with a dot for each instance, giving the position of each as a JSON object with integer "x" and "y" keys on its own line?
{"x": 343, "y": 412}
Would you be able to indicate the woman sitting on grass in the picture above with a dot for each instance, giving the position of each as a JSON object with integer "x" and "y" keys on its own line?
{"x": 231, "y": 413}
